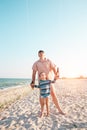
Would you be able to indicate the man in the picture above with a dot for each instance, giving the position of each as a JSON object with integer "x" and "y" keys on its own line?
{"x": 46, "y": 66}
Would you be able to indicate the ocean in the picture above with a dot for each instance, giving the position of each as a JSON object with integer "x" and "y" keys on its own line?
{"x": 21, "y": 82}
{"x": 13, "y": 82}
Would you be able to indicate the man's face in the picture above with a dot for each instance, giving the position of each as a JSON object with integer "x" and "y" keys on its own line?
{"x": 41, "y": 54}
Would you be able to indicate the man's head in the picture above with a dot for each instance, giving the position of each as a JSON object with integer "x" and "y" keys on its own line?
{"x": 41, "y": 54}
{"x": 40, "y": 51}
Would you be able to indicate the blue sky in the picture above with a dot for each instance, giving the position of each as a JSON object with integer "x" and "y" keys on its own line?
{"x": 59, "y": 27}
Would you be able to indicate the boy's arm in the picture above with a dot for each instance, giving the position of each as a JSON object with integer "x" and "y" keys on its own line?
{"x": 36, "y": 86}
{"x": 53, "y": 81}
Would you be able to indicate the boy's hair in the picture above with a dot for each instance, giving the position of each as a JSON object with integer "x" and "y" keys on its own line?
{"x": 40, "y": 51}
{"x": 40, "y": 74}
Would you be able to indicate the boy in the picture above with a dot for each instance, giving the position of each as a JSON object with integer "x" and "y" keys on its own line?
{"x": 44, "y": 86}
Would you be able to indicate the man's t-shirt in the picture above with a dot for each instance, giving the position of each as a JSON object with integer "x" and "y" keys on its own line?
{"x": 45, "y": 66}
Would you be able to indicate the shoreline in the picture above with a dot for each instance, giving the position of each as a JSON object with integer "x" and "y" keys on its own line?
{"x": 12, "y": 87}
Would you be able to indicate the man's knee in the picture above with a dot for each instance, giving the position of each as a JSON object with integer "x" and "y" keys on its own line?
{"x": 52, "y": 91}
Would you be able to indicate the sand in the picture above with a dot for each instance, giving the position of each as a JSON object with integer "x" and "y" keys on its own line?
{"x": 10, "y": 95}
{"x": 23, "y": 114}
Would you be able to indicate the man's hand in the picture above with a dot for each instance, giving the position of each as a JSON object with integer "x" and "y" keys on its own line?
{"x": 57, "y": 74}
{"x": 32, "y": 84}
{"x": 56, "y": 77}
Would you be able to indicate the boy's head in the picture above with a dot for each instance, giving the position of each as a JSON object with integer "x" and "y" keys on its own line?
{"x": 42, "y": 76}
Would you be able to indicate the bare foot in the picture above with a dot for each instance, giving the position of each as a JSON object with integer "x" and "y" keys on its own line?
{"x": 41, "y": 114}
{"x": 62, "y": 113}
{"x": 47, "y": 114}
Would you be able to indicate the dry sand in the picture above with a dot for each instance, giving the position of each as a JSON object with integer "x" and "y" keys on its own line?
{"x": 23, "y": 114}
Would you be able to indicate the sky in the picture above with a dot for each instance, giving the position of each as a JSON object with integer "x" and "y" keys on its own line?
{"x": 59, "y": 27}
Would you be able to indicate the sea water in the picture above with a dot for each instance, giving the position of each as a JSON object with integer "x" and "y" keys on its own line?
{"x": 13, "y": 82}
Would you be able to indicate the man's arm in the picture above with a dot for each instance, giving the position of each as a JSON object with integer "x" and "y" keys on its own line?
{"x": 55, "y": 69}
{"x": 56, "y": 72}
{"x": 33, "y": 78}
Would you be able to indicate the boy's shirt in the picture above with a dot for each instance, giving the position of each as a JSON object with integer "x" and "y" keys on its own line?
{"x": 44, "y": 86}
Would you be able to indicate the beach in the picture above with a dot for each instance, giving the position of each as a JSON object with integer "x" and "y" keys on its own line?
{"x": 23, "y": 108}
{"x": 10, "y": 95}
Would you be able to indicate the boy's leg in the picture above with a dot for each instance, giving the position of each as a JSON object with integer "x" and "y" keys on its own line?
{"x": 47, "y": 105}
{"x": 42, "y": 106}
{"x": 54, "y": 98}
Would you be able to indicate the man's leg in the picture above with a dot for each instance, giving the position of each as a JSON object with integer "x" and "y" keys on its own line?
{"x": 54, "y": 98}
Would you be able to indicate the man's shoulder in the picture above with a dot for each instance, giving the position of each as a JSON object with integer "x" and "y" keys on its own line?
{"x": 36, "y": 62}
{"x": 48, "y": 60}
